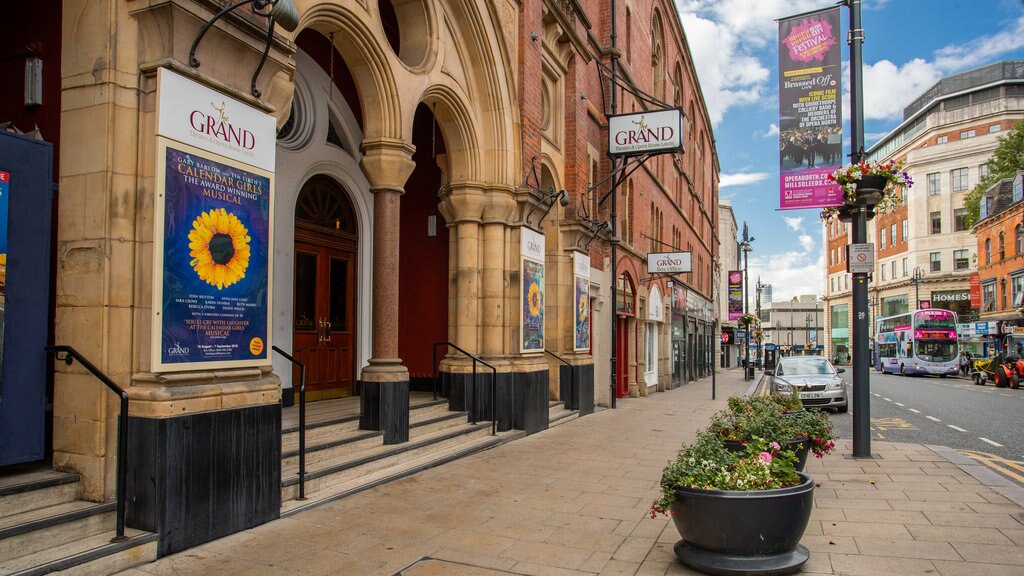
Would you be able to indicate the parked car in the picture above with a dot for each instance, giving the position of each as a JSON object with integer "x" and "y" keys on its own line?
{"x": 813, "y": 378}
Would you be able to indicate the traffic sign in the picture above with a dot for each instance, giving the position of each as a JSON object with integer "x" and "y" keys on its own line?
{"x": 860, "y": 258}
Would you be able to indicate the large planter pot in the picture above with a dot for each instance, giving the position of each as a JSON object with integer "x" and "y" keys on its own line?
{"x": 800, "y": 446}
{"x": 758, "y": 532}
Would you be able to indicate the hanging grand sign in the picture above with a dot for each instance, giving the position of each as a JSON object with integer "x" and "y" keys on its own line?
{"x": 212, "y": 253}
{"x": 735, "y": 294}
{"x": 646, "y": 132}
{"x": 532, "y": 290}
{"x": 810, "y": 110}
{"x": 668, "y": 263}
{"x": 581, "y": 302}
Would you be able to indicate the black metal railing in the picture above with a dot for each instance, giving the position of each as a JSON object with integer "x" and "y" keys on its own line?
{"x": 69, "y": 357}
{"x": 472, "y": 397}
{"x": 302, "y": 419}
{"x": 572, "y": 379}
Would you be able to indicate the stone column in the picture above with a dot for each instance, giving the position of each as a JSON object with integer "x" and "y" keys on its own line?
{"x": 385, "y": 382}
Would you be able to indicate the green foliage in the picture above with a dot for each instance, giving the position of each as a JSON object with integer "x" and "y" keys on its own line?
{"x": 764, "y": 424}
{"x": 1007, "y": 159}
{"x": 706, "y": 464}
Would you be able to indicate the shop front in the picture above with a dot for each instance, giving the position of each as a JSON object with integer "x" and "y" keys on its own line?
{"x": 840, "y": 333}
{"x": 957, "y": 301}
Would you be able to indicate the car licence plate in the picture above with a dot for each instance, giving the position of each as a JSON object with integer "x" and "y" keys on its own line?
{"x": 810, "y": 395}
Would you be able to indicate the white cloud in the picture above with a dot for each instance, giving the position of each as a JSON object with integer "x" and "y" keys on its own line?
{"x": 790, "y": 273}
{"x": 773, "y": 130}
{"x": 888, "y": 88}
{"x": 726, "y": 180}
{"x": 981, "y": 50}
{"x": 794, "y": 223}
{"x": 806, "y": 242}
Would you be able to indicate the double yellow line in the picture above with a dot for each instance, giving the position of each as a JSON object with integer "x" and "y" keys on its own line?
{"x": 998, "y": 464}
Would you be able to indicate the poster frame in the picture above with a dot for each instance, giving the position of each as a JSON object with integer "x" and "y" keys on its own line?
{"x": 532, "y": 251}
{"x": 581, "y": 273}
{"x": 159, "y": 207}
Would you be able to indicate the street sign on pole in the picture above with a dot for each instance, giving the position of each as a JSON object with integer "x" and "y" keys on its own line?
{"x": 860, "y": 258}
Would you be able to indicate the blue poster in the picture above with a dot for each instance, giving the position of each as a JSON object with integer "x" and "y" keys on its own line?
{"x": 533, "y": 306}
{"x": 215, "y": 261}
{"x": 582, "y": 313}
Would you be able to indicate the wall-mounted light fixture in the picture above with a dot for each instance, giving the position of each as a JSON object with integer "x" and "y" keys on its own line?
{"x": 282, "y": 12}
{"x": 549, "y": 197}
{"x": 432, "y": 224}
{"x": 33, "y": 80}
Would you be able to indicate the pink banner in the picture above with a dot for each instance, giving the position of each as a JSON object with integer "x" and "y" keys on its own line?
{"x": 810, "y": 110}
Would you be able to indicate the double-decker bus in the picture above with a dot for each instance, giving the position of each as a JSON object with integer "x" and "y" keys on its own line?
{"x": 919, "y": 342}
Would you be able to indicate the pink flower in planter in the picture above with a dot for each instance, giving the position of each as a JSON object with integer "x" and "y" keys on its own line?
{"x": 765, "y": 458}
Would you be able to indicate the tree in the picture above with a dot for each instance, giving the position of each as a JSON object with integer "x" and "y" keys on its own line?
{"x": 1007, "y": 159}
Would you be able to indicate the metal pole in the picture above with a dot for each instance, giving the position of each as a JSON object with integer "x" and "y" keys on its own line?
{"x": 861, "y": 390}
{"x": 714, "y": 364}
{"x": 613, "y": 240}
{"x": 746, "y": 286}
{"x": 757, "y": 305}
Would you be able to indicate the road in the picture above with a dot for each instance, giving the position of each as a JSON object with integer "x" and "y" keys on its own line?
{"x": 984, "y": 422}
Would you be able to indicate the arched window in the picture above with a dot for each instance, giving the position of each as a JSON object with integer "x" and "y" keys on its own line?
{"x": 625, "y": 301}
{"x": 1002, "y": 246}
{"x": 325, "y": 206}
{"x": 1020, "y": 239}
{"x": 658, "y": 56}
{"x": 988, "y": 251}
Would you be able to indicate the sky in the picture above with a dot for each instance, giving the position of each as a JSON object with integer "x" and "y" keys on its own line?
{"x": 909, "y": 46}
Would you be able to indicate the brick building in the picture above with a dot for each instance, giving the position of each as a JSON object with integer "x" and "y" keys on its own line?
{"x": 1000, "y": 234}
{"x": 414, "y": 156}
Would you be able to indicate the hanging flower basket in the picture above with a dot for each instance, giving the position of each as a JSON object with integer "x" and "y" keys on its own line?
{"x": 875, "y": 185}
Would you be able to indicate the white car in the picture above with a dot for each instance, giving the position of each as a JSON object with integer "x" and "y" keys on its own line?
{"x": 813, "y": 378}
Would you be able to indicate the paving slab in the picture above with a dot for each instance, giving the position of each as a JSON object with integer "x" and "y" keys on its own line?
{"x": 574, "y": 501}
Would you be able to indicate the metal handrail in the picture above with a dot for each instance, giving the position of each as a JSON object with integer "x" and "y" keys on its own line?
{"x": 302, "y": 419}
{"x": 572, "y": 378}
{"x": 494, "y": 383}
{"x": 70, "y": 355}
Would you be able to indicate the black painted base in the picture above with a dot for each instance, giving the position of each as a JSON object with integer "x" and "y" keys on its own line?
{"x": 520, "y": 398}
{"x": 577, "y": 387}
{"x": 384, "y": 406}
{"x": 287, "y": 397}
{"x": 199, "y": 477}
{"x": 726, "y": 565}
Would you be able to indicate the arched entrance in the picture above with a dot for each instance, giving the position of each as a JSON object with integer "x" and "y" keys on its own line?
{"x": 323, "y": 328}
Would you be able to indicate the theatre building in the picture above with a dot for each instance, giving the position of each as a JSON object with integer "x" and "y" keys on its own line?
{"x": 397, "y": 215}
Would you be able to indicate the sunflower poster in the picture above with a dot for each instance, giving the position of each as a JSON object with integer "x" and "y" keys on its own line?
{"x": 215, "y": 259}
{"x": 532, "y": 291}
{"x": 581, "y": 301}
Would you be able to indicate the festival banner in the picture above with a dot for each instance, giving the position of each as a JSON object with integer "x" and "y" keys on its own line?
{"x": 735, "y": 294}
{"x": 581, "y": 301}
{"x": 532, "y": 305}
{"x": 975, "y": 284}
{"x": 810, "y": 110}
{"x": 214, "y": 256}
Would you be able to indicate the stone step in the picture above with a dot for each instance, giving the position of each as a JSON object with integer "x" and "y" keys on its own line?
{"x": 352, "y": 466}
{"x": 36, "y": 530}
{"x": 38, "y": 492}
{"x": 93, "y": 555}
{"x": 559, "y": 417}
{"x": 328, "y": 430}
{"x": 399, "y": 470}
{"x": 423, "y": 422}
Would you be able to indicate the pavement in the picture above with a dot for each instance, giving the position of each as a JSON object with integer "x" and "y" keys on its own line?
{"x": 575, "y": 499}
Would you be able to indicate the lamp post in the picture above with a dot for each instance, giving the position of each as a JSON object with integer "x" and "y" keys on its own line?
{"x": 807, "y": 335}
{"x": 745, "y": 247}
{"x": 757, "y": 306}
{"x": 915, "y": 281}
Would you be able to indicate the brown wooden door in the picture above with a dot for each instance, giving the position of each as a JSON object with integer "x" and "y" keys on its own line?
{"x": 325, "y": 318}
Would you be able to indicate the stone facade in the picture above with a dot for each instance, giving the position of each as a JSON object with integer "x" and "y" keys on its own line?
{"x": 445, "y": 140}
